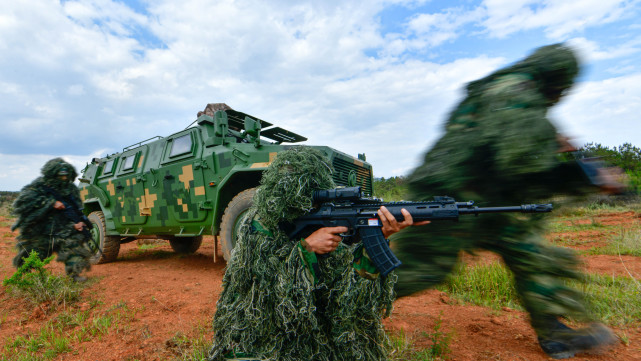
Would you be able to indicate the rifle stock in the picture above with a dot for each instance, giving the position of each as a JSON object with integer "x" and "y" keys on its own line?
{"x": 347, "y": 207}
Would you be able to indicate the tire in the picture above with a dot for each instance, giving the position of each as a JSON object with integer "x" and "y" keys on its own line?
{"x": 110, "y": 245}
{"x": 231, "y": 220}
{"x": 185, "y": 245}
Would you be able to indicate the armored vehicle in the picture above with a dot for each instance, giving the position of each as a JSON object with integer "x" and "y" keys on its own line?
{"x": 198, "y": 181}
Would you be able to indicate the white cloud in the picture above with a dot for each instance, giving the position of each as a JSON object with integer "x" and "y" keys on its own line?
{"x": 440, "y": 27}
{"x": 594, "y": 51}
{"x": 117, "y": 17}
{"x": 20, "y": 170}
{"x": 84, "y": 76}
{"x": 394, "y": 114}
{"x": 559, "y": 18}
{"x": 605, "y": 112}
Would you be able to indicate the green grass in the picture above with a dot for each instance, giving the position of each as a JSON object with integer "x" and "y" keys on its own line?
{"x": 560, "y": 224}
{"x": 402, "y": 346}
{"x": 620, "y": 240}
{"x": 625, "y": 242}
{"x": 47, "y": 343}
{"x": 596, "y": 205}
{"x": 614, "y": 300}
{"x": 190, "y": 348}
{"x": 149, "y": 246}
{"x": 487, "y": 285}
{"x": 68, "y": 329}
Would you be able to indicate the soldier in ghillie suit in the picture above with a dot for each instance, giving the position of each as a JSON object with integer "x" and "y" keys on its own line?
{"x": 44, "y": 225}
{"x": 500, "y": 147}
{"x": 300, "y": 299}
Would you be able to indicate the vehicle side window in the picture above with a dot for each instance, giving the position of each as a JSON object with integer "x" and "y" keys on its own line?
{"x": 129, "y": 162}
{"x": 181, "y": 145}
{"x": 108, "y": 167}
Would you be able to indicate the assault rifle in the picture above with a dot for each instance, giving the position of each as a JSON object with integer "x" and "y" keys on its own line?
{"x": 75, "y": 215}
{"x": 347, "y": 207}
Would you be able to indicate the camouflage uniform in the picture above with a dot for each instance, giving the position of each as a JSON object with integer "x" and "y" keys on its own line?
{"x": 47, "y": 230}
{"x": 500, "y": 149}
{"x": 281, "y": 302}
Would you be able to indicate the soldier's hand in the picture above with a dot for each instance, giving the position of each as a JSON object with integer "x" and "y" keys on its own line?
{"x": 564, "y": 144}
{"x": 391, "y": 225}
{"x": 612, "y": 180}
{"x": 59, "y": 205}
{"x": 79, "y": 226}
{"x": 324, "y": 240}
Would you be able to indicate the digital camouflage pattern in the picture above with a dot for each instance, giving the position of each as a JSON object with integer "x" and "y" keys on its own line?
{"x": 47, "y": 230}
{"x": 272, "y": 307}
{"x": 179, "y": 186}
{"x": 499, "y": 148}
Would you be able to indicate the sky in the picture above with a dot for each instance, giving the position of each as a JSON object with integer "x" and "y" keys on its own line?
{"x": 83, "y": 79}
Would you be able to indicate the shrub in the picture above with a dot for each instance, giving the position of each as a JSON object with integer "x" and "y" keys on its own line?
{"x": 35, "y": 283}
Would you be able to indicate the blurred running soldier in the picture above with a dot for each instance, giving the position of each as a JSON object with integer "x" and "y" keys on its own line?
{"x": 300, "y": 299}
{"x": 44, "y": 226}
{"x": 500, "y": 147}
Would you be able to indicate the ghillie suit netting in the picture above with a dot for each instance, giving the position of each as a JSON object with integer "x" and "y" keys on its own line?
{"x": 271, "y": 306}
{"x": 44, "y": 229}
{"x": 500, "y": 149}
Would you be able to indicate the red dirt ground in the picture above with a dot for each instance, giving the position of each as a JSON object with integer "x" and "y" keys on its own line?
{"x": 176, "y": 295}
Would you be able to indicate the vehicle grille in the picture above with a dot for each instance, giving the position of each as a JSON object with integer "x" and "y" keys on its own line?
{"x": 342, "y": 170}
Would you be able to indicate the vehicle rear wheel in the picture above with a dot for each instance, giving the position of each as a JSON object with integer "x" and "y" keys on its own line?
{"x": 109, "y": 245}
{"x": 185, "y": 245}
{"x": 230, "y": 222}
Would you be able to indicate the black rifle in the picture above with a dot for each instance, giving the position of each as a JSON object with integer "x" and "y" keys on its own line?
{"x": 347, "y": 207}
{"x": 74, "y": 214}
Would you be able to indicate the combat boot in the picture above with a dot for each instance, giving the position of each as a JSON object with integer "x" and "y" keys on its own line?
{"x": 564, "y": 342}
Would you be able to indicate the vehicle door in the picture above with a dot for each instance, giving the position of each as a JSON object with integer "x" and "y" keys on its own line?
{"x": 181, "y": 175}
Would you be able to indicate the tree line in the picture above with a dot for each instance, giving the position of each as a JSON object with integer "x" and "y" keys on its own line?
{"x": 626, "y": 156}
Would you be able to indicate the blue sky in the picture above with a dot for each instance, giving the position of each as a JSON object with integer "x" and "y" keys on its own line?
{"x": 82, "y": 79}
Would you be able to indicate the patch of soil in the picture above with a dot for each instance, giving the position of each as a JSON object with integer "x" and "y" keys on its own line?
{"x": 163, "y": 296}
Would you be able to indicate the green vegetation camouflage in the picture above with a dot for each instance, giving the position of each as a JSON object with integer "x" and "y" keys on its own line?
{"x": 272, "y": 307}
{"x": 195, "y": 182}
{"x": 500, "y": 148}
{"x": 44, "y": 229}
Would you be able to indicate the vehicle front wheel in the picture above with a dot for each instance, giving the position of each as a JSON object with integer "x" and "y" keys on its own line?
{"x": 105, "y": 248}
{"x": 230, "y": 222}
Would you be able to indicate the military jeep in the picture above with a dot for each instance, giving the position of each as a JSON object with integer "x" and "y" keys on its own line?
{"x": 198, "y": 181}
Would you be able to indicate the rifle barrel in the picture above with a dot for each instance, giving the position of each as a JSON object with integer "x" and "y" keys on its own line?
{"x": 524, "y": 208}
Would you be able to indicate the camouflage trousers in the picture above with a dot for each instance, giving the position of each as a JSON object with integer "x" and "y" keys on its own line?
{"x": 70, "y": 250}
{"x": 430, "y": 253}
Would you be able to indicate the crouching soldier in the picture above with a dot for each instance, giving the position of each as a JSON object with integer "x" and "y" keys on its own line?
{"x": 43, "y": 210}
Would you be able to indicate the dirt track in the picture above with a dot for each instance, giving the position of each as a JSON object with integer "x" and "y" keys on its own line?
{"x": 166, "y": 295}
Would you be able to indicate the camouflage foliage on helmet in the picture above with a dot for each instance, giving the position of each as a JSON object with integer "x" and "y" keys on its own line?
{"x": 271, "y": 307}
{"x": 287, "y": 185}
{"x": 553, "y": 68}
{"x": 53, "y": 167}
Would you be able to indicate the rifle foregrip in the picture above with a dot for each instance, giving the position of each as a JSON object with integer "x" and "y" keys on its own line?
{"x": 378, "y": 250}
